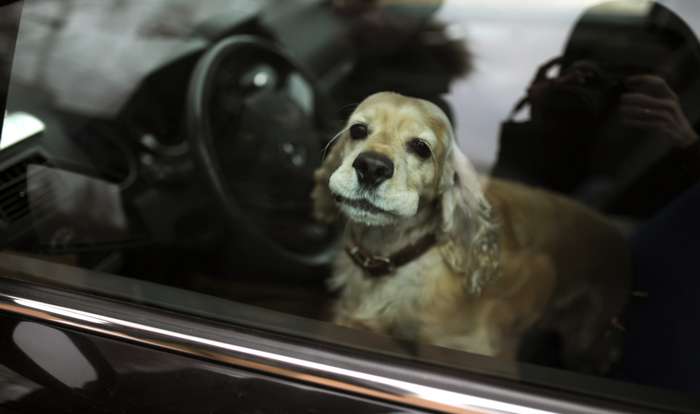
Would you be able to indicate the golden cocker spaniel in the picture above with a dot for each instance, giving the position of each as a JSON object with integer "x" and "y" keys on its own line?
{"x": 434, "y": 253}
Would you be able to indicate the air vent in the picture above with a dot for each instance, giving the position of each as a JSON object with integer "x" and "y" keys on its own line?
{"x": 14, "y": 200}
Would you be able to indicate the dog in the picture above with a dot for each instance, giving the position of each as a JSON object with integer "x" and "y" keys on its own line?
{"x": 435, "y": 253}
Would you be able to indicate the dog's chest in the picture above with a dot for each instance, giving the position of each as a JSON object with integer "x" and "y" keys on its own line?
{"x": 400, "y": 304}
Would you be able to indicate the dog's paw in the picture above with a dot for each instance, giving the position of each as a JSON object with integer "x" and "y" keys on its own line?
{"x": 365, "y": 325}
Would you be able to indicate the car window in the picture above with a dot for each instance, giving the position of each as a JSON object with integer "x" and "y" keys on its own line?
{"x": 512, "y": 183}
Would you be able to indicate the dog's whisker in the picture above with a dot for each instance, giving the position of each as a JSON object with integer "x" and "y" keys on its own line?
{"x": 332, "y": 140}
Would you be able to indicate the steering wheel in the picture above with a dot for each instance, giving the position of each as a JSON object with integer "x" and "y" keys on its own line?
{"x": 254, "y": 124}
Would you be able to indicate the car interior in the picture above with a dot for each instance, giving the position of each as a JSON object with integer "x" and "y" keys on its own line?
{"x": 210, "y": 130}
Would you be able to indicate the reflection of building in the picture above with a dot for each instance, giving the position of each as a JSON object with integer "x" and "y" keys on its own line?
{"x": 108, "y": 45}
{"x": 509, "y": 39}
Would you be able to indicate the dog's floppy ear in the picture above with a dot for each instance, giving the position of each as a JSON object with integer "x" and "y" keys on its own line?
{"x": 324, "y": 207}
{"x": 470, "y": 238}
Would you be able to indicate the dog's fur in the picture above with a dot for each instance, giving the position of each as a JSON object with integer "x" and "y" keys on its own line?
{"x": 507, "y": 256}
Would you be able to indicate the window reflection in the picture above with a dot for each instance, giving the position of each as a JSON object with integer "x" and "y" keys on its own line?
{"x": 180, "y": 144}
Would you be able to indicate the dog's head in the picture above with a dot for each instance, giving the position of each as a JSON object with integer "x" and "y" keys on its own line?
{"x": 395, "y": 154}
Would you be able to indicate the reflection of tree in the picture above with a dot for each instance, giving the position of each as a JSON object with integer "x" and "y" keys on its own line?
{"x": 9, "y": 16}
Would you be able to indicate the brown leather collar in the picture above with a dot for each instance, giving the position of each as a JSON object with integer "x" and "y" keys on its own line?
{"x": 378, "y": 266}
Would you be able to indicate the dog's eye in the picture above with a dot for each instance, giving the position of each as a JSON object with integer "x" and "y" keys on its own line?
{"x": 358, "y": 131}
{"x": 419, "y": 147}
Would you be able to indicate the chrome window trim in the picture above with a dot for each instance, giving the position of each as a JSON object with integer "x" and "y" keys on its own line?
{"x": 233, "y": 346}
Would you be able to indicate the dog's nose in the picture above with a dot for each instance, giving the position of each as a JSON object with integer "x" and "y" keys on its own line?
{"x": 373, "y": 168}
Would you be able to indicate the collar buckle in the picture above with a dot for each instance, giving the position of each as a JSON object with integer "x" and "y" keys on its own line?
{"x": 374, "y": 265}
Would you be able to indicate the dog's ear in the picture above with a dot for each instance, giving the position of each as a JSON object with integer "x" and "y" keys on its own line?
{"x": 471, "y": 245}
{"x": 324, "y": 207}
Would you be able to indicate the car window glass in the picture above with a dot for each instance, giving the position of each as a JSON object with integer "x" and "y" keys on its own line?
{"x": 513, "y": 180}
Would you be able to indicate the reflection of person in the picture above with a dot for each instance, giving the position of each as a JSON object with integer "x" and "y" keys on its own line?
{"x": 617, "y": 127}
{"x": 661, "y": 327}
